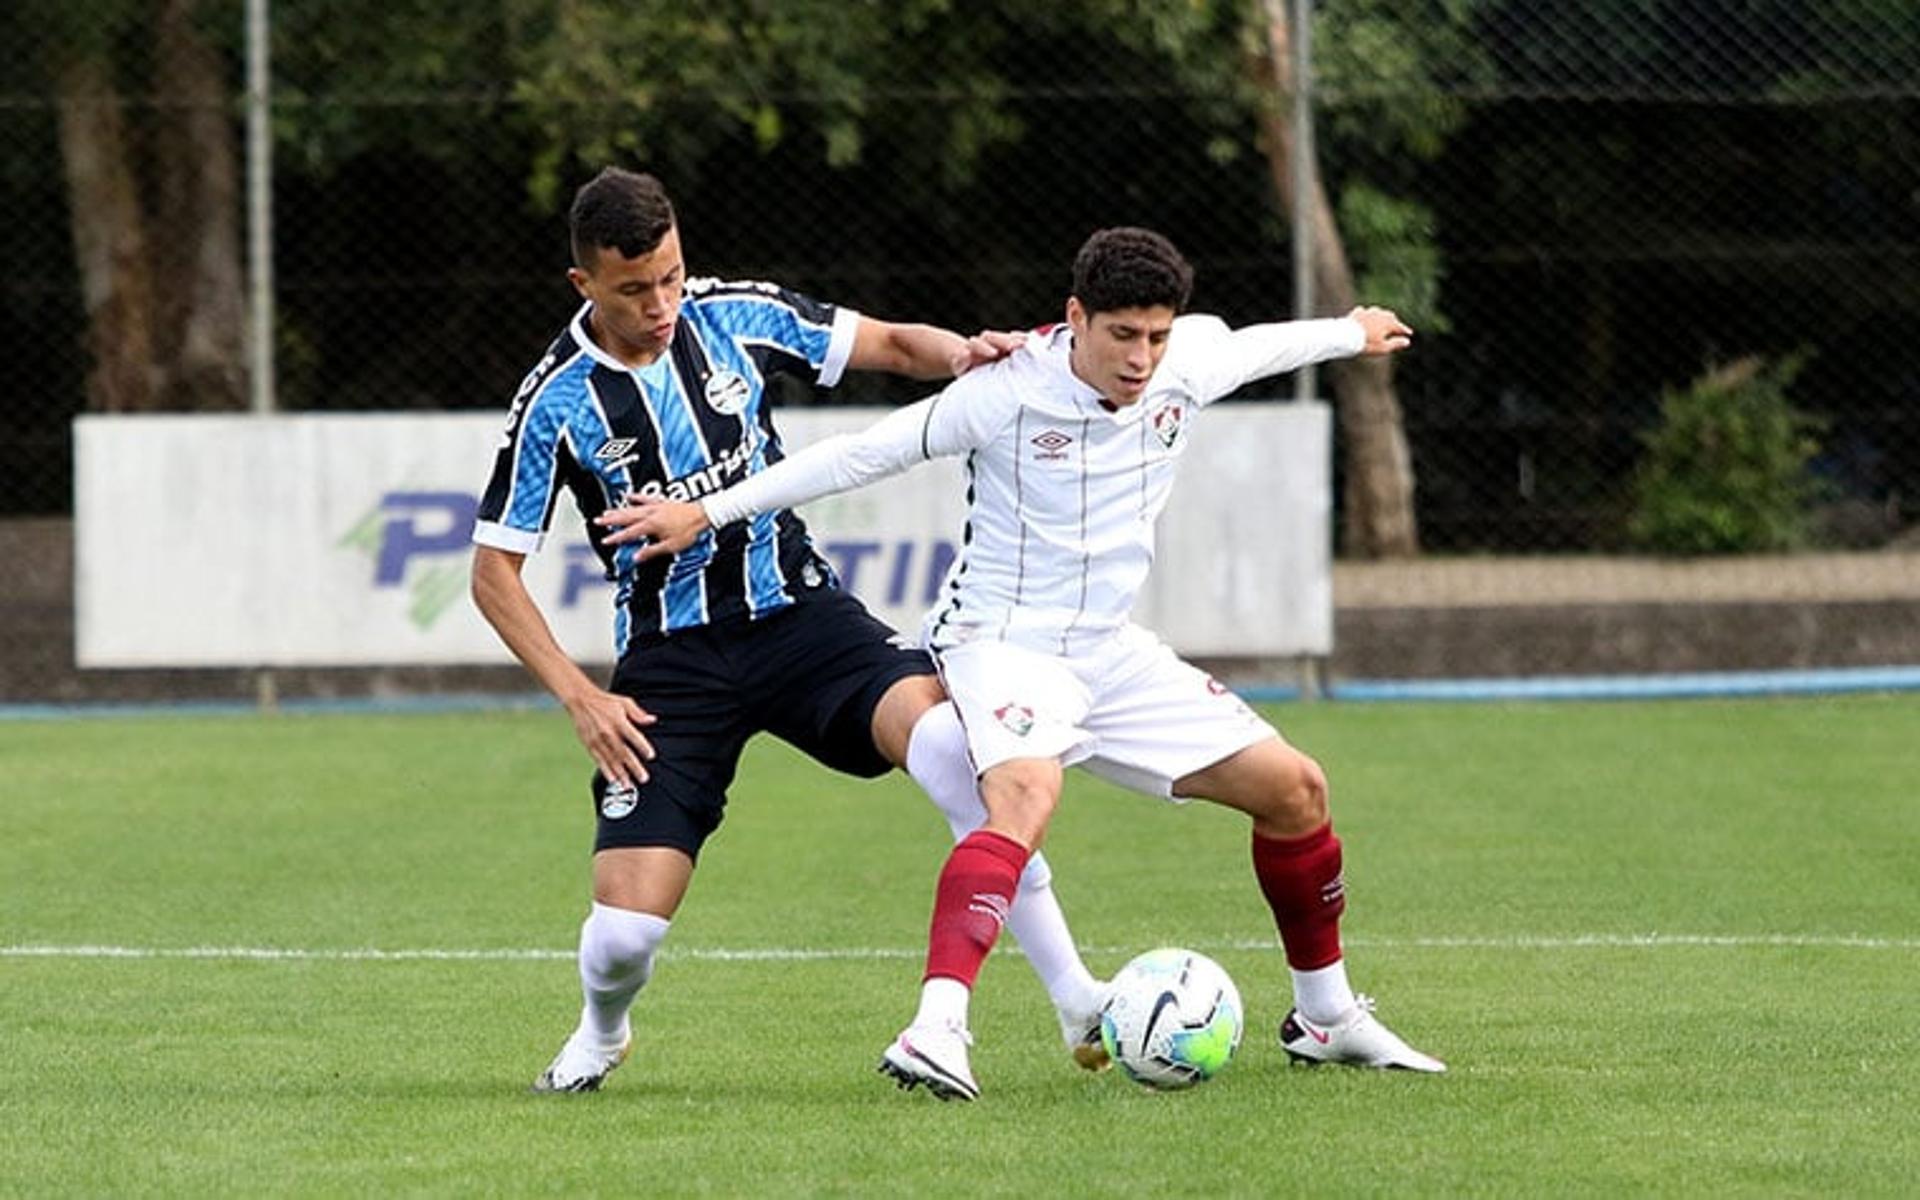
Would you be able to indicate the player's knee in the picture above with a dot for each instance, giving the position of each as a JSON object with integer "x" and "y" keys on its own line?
{"x": 619, "y": 943}
{"x": 1304, "y": 792}
{"x": 1020, "y": 797}
{"x": 1294, "y": 795}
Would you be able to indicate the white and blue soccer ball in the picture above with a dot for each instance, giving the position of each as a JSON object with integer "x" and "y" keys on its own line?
{"x": 1172, "y": 1019}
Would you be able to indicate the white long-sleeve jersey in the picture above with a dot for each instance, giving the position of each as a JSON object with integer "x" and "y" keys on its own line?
{"x": 1063, "y": 487}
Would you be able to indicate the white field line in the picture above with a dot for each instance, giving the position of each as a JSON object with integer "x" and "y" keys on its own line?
{"x": 1597, "y": 941}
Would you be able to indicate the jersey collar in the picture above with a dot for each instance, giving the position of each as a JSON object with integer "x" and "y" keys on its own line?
{"x": 1059, "y": 350}
{"x": 583, "y": 337}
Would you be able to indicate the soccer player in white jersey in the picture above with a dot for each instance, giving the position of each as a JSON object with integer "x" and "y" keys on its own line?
{"x": 1071, "y": 444}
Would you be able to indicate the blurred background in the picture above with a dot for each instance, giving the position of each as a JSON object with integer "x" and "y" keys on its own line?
{"x": 1663, "y": 412}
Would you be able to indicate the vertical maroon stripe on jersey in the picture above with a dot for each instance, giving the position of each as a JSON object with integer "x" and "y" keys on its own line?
{"x": 1086, "y": 555}
{"x": 1020, "y": 509}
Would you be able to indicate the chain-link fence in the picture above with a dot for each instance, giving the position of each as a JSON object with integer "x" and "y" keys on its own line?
{"x": 1664, "y": 255}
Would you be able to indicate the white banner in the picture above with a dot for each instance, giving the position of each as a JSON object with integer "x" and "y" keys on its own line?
{"x": 342, "y": 540}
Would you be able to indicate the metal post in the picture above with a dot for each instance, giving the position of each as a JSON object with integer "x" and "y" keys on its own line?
{"x": 260, "y": 255}
{"x": 259, "y": 210}
{"x": 1305, "y": 170}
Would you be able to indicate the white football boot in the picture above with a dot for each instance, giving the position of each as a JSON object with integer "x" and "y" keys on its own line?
{"x": 1358, "y": 1040}
{"x": 1081, "y": 1032}
{"x": 582, "y": 1065}
{"x": 934, "y": 1055}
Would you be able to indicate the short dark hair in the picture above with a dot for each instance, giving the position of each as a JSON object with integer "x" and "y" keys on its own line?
{"x": 1128, "y": 267}
{"x": 621, "y": 209}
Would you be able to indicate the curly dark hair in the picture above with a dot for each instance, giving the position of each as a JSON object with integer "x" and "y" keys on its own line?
{"x": 621, "y": 209}
{"x": 1128, "y": 267}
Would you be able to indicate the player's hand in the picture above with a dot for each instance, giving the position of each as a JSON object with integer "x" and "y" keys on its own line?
{"x": 610, "y": 727}
{"x": 984, "y": 347}
{"x": 1386, "y": 333}
{"x": 666, "y": 526}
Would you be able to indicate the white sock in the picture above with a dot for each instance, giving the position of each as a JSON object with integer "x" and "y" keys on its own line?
{"x": 1323, "y": 996}
{"x": 616, "y": 960}
{"x": 937, "y": 759}
{"x": 1040, "y": 926}
{"x": 943, "y": 1002}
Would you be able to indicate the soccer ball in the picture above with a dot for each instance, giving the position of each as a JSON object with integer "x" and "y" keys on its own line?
{"x": 1172, "y": 1019}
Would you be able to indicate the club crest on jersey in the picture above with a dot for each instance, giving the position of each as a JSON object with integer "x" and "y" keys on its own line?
{"x": 1167, "y": 421}
{"x": 727, "y": 393}
{"x": 1018, "y": 718}
{"x": 618, "y": 800}
{"x": 1051, "y": 443}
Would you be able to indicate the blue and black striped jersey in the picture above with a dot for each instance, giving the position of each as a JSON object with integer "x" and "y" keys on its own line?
{"x": 688, "y": 424}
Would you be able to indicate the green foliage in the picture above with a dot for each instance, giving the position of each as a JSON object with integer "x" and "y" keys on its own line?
{"x": 1400, "y": 267}
{"x": 665, "y": 84}
{"x": 1726, "y": 469}
{"x": 1395, "y": 79}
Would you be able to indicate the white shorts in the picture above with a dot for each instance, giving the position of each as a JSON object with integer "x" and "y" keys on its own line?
{"x": 1131, "y": 711}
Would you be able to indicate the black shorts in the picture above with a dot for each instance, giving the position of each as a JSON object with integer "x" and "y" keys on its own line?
{"x": 810, "y": 674}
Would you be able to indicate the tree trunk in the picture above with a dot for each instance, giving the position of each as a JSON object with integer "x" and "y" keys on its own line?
{"x": 1378, "y": 497}
{"x": 109, "y": 239}
{"x": 197, "y": 218}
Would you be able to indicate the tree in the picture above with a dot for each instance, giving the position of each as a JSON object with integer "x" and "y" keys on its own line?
{"x": 153, "y": 197}
{"x": 1378, "y": 512}
{"x": 1390, "y": 66}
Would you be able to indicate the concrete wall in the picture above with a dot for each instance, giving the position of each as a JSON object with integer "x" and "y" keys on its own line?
{"x": 1446, "y": 618}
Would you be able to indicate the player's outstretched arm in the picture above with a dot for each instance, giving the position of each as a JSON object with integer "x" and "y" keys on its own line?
{"x": 609, "y": 726}
{"x": 837, "y": 464}
{"x": 1218, "y": 360}
{"x": 924, "y": 351}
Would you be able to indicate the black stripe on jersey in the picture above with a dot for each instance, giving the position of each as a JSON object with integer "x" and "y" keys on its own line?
{"x": 572, "y": 471}
{"x": 496, "y": 502}
{"x": 799, "y": 563}
{"x": 926, "y": 428}
{"x": 725, "y": 574}
{"x": 960, "y": 570}
{"x": 625, "y": 411}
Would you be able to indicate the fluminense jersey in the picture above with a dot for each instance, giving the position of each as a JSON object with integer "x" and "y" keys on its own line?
{"x": 1063, "y": 486}
{"x": 683, "y": 426}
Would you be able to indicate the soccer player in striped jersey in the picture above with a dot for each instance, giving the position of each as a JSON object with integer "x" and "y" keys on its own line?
{"x": 1071, "y": 444}
{"x": 656, "y": 387}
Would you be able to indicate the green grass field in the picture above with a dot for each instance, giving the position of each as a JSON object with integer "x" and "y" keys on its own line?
{"x": 1667, "y": 948}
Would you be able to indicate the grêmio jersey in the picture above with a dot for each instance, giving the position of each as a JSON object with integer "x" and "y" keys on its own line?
{"x": 1063, "y": 487}
{"x": 683, "y": 426}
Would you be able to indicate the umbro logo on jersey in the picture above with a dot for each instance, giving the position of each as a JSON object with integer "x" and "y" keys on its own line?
{"x": 727, "y": 393}
{"x": 1052, "y": 444}
{"x": 614, "y": 449}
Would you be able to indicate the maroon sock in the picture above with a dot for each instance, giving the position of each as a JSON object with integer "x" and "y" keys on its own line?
{"x": 971, "y": 902}
{"x": 1301, "y": 879}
